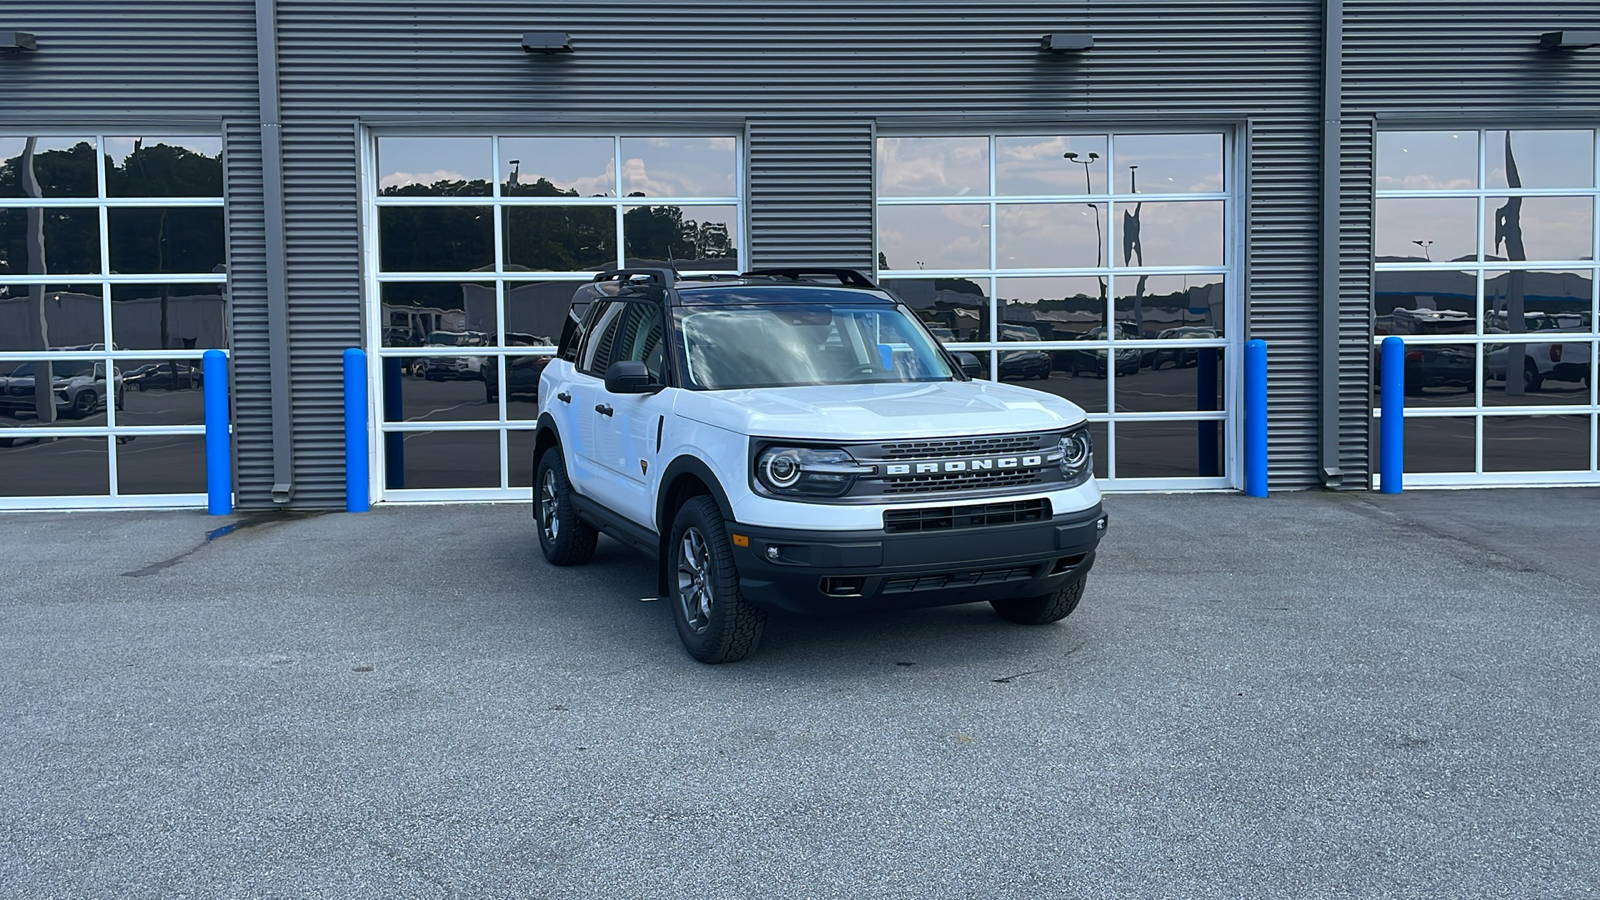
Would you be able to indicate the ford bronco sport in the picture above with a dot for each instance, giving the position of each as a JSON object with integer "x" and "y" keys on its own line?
{"x": 796, "y": 439}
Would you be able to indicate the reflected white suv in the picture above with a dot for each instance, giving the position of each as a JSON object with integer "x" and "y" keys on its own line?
{"x": 796, "y": 439}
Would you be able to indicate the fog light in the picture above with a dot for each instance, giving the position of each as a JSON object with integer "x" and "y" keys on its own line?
{"x": 1100, "y": 525}
{"x": 773, "y": 553}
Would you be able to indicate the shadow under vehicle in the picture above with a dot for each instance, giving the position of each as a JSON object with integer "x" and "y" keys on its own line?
{"x": 1181, "y": 357}
{"x": 522, "y": 372}
{"x": 1022, "y": 364}
{"x": 79, "y": 386}
{"x": 445, "y": 368}
{"x": 1095, "y": 360}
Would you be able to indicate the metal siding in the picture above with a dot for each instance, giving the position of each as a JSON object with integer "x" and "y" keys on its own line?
{"x": 247, "y": 295}
{"x": 808, "y": 77}
{"x": 1357, "y": 146}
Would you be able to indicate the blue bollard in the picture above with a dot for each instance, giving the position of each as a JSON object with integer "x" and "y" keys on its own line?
{"x": 219, "y": 440}
{"x": 1392, "y": 400}
{"x": 1255, "y": 418}
{"x": 356, "y": 476}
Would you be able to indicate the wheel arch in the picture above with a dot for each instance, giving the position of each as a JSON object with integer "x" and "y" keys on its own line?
{"x": 683, "y": 478}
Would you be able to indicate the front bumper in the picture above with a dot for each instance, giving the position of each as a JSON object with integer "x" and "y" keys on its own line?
{"x": 833, "y": 571}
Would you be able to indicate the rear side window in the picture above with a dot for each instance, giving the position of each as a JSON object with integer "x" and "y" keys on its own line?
{"x": 572, "y": 332}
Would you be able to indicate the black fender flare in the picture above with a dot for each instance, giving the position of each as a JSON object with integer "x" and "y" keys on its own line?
{"x": 666, "y": 499}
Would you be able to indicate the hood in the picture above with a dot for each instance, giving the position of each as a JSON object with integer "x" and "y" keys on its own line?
{"x": 849, "y": 412}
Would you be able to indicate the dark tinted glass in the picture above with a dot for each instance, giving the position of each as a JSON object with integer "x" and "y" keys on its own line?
{"x": 164, "y": 166}
{"x": 537, "y": 311}
{"x": 161, "y": 392}
{"x": 70, "y": 239}
{"x": 1421, "y": 303}
{"x": 689, "y": 237}
{"x": 1058, "y": 309}
{"x": 75, "y": 394}
{"x": 59, "y": 167}
{"x": 161, "y": 464}
{"x": 433, "y": 167}
{"x": 1177, "y": 379}
{"x": 53, "y": 468}
{"x": 435, "y": 238}
{"x": 1171, "y": 307}
{"x": 169, "y": 316}
{"x": 1536, "y": 443}
{"x": 155, "y": 241}
{"x": 441, "y": 389}
{"x": 451, "y": 459}
{"x": 1170, "y": 449}
{"x": 1542, "y": 373}
{"x": 956, "y": 310}
{"x": 1087, "y": 391}
{"x": 1551, "y": 301}
{"x": 521, "y": 384}
{"x": 443, "y": 316}
{"x": 1439, "y": 375}
{"x": 560, "y": 238}
{"x": 1436, "y": 444}
{"x": 520, "y": 460}
{"x": 73, "y": 315}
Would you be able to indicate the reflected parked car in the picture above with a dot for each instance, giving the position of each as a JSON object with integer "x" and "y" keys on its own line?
{"x": 522, "y": 372}
{"x": 168, "y": 376}
{"x": 1095, "y": 360}
{"x": 79, "y": 386}
{"x": 1182, "y": 357}
{"x": 442, "y": 368}
{"x": 1022, "y": 364}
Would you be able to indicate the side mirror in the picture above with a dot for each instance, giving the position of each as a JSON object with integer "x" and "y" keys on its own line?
{"x": 971, "y": 366}
{"x": 629, "y": 376}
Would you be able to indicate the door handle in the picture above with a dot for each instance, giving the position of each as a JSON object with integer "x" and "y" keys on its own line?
{"x": 602, "y": 409}
{"x": 564, "y": 397}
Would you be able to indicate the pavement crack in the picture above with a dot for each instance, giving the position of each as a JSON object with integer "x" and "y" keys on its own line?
{"x": 1010, "y": 678}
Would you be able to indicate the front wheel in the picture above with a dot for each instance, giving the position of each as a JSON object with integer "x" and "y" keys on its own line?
{"x": 1042, "y": 610}
{"x": 1531, "y": 379}
{"x": 565, "y": 539}
{"x": 714, "y": 621}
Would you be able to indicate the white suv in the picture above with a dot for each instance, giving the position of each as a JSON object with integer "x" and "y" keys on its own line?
{"x": 796, "y": 439}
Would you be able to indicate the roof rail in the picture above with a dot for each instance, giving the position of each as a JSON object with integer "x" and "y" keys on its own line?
{"x": 661, "y": 277}
{"x": 850, "y": 277}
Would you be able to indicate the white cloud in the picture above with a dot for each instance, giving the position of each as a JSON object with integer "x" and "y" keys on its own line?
{"x": 400, "y": 179}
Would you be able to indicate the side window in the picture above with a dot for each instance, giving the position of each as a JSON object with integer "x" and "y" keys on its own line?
{"x": 600, "y": 344}
{"x": 641, "y": 339}
{"x": 572, "y": 333}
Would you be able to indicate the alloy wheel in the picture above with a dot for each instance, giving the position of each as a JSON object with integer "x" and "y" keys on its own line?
{"x": 694, "y": 580}
{"x": 549, "y": 521}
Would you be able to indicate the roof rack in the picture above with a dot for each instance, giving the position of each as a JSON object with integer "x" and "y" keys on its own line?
{"x": 661, "y": 277}
{"x": 850, "y": 277}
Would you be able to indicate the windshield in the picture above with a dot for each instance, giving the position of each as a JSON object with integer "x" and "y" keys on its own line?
{"x": 731, "y": 347}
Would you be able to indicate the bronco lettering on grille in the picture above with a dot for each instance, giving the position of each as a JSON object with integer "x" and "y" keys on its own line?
{"x": 965, "y": 465}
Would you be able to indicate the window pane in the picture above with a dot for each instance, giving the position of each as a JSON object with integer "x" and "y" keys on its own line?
{"x": 521, "y": 382}
{"x": 435, "y": 238}
{"x": 433, "y": 167}
{"x": 69, "y": 391}
{"x": 165, "y": 392}
{"x": 1189, "y": 379}
{"x": 1538, "y": 228}
{"x": 1535, "y": 443}
{"x": 164, "y": 166}
{"x": 556, "y": 166}
{"x": 1549, "y": 301}
{"x": 168, "y": 316}
{"x": 440, "y": 389}
{"x": 1057, "y": 309}
{"x": 441, "y": 316}
{"x": 956, "y": 310}
{"x": 1544, "y": 373}
{"x": 1427, "y": 160}
{"x": 161, "y": 464}
{"x": 1088, "y": 392}
{"x": 450, "y": 459}
{"x": 1439, "y": 375}
{"x": 933, "y": 237}
{"x": 61, "y": 167}
{"x": 560, "y": 238}
{"x": 1169, "y": 234}
{"x": 1169, "y": 449}
{"x": 46, "y": 467}
{"x": 1169, "y": 164}
{"x": 1416, "y": 230}
{"x": 933, "y": 166}
{"x": 1436, "y": 444}
{"x": 689, "y": 237}
{"x": 679, "y": 167}
{"x": 158, "y": 241}
{"x": 1440, "y": 302}
{"x": 519, "y": 451}
{"x": 536, "y": 311}
{"x": 1049, "y": 235}
{"x": 70, "y": 240}
{"x": 1542, "y": 159}
{"x": 73, "y": 315}
{"x": 1038, "y": 166}
{"x": 1171, "y": 307}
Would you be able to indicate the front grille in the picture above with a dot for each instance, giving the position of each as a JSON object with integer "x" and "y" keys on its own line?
{"x": 945, "y": 518}
{"x": 974, "y": 446}
{"x": 912, "y": 583}
{"x": 945, "y": 482}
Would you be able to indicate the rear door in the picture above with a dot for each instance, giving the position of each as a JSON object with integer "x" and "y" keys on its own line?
{"x": 627, "y": 426}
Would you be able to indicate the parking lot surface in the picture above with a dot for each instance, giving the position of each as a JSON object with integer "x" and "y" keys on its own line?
{"x": 1313, "y": 695}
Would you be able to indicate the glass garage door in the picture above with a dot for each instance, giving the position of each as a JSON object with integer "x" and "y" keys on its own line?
{"x": 1486, "y": 246}
{"x": 112, "y": 285}
{"x": 475, "y": 246}
{"x": 1098, "y": 267}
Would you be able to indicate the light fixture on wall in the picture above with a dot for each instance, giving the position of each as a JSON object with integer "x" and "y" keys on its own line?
{"x": 547, "y": 42}
{"x": 1067, "y": 42}
{"x": 1568, "y": 40}
{"x": 18, "y": 40}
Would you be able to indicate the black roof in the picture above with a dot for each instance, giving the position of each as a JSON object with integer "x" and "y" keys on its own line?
{"x": 753, "y": 287}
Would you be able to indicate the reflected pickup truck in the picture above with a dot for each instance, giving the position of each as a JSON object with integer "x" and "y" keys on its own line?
{"x": 796, "y": 439}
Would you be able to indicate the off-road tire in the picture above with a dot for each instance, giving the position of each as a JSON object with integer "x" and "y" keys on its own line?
{"x": 728, "y": 628}
{"x": 1042, "y": 610}
{"x": 571, "y": 541}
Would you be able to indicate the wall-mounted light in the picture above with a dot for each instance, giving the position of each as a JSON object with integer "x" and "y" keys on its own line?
{"x": 17, "y": 40}
{"x": 1067, "y": 42}
{"x": 1568, "y": 40}
{"x": 547, "y": 42}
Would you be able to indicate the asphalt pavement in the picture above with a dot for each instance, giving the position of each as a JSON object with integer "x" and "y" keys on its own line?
{"x": 1312, "y": 695}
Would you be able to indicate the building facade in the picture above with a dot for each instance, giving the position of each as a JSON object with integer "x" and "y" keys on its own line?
{"x": 285, "y": 179}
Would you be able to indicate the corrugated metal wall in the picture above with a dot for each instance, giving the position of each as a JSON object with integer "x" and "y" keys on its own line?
{"x": 808, "y": 80}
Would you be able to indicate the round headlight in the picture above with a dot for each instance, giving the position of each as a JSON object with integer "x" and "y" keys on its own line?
{"x": 1076, "y": 451}
{"x": 781, "y": 468}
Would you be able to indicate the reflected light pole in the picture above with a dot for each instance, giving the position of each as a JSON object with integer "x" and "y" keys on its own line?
{"x": 511, "y": 188}
{"x": 1099, "y": 238}
{"x": 1425, "y": 252}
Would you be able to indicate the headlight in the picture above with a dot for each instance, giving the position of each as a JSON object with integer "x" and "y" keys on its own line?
{"x": 1077, "y": 455}
{"x": 807, "y": 471}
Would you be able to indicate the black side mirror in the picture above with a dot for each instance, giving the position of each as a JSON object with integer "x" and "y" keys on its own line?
{"x": 971, "y": 366}
{"x": 629, "y": 376}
